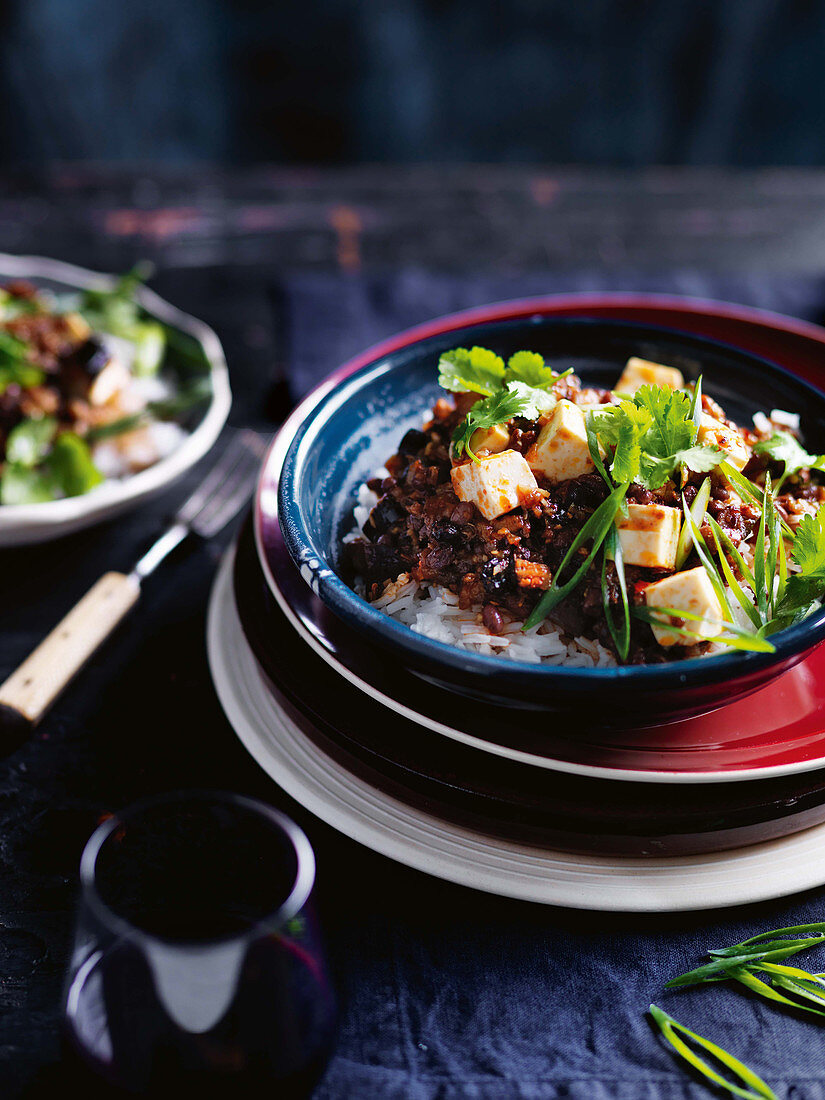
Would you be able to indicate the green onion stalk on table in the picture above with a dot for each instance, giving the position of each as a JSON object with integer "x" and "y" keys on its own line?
{"x": 756, "y": 965}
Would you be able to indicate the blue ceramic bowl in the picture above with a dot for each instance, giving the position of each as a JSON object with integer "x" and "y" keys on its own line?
{"x": 358, "y": 424}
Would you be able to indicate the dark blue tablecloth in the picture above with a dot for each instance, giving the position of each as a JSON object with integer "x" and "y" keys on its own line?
{"x": 448, "y": 993}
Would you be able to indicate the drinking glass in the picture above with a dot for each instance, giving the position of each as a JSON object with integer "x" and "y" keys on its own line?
{"x": 196, "y": 958}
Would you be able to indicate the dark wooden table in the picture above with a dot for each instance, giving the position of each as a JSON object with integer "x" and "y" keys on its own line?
{"x": 453, "y": 218}
{"x": 143, "y": 716}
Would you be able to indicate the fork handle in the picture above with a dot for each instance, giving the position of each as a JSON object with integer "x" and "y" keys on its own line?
{"x": 32, "y": 688}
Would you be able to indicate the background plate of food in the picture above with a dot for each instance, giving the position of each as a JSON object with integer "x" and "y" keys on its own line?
{"x": 108, "y": 394}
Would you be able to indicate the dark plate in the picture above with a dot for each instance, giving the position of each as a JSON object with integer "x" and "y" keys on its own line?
{"x": 348, "y": 433}
{"x": 466, "y": 785}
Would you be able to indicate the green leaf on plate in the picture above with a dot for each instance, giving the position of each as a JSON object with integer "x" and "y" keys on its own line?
{"x": 30, "y": 440}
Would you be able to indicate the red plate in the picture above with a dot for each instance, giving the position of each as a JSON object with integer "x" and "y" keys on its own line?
{"x": 777, "y": 730}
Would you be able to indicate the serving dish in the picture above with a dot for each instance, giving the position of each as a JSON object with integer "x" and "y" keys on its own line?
{"x": 420, "y": 839}
{"x": 347, "y": 433}
{"x": 625, "y": 811}
{"x": 22, "y": 524}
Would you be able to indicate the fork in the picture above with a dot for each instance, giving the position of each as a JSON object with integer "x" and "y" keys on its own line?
{"x": 32, "y": 688}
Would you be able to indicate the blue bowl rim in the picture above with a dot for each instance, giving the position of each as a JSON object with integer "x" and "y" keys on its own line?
{"x": 336, "y": 594}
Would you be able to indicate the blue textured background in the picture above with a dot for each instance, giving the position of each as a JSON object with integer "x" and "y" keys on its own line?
{"x": 591, "y": 82}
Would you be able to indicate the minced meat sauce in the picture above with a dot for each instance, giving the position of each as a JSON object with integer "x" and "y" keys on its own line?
{"x": 420, "y": 527}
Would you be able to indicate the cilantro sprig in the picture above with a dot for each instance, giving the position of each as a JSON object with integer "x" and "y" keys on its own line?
{"x": 653, "y": 434}
{"x": 471, "y": 370}
{"x": 521, "y": 388}
{"x": 785, "y": 448}
{"x": 515, "y": 399}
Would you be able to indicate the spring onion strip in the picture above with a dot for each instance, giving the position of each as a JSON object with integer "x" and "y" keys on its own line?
{"x": 756, "y": 985}
{"x": 734, "y": 585}
{"x": 746, "y": 488}
{"x": 707, "y": 562}
{"x": 697, "y": 510}
{"x": 754, "y": 1087}
{"x": 775, "y": 933}
{"x": 783, "y": 561}
{"x": 731, "y": 548}
{"x": 741, "y": 639}
{"x": 759, "y": 562}
{"x": 695, "y": 413}
{"x": 757, "y": 950}
{"x": 613, "y": 551}
{"x": 596, "y": 528}
{"x": 595, "y": 454}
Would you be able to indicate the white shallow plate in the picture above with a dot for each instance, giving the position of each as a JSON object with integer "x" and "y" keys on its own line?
{"x": 23, "y": 524}
{"x": 469, "y": 858}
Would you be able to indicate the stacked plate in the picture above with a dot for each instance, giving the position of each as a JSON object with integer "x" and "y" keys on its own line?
{"x": 711, "y": 810}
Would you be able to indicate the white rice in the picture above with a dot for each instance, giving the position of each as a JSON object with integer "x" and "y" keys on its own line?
{"x": 432, "y": 611}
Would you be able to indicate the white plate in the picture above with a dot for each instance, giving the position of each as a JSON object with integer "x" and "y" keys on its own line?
{"x": 420, "y": 840}
{"x": 23, "y": 524}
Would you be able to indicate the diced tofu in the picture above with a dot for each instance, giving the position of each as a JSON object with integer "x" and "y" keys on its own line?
{"x": 649, "y": 536}
{"x": 714, "y": 432}
{"x": 109, "y": 382}
{"x": 495, "y": 484}
{"x": 494, "y": 440}
{"x": 689, "y": 591}
{"x": 641, "y": 372}
{"x": 78, "y": 326}
{"x": 561, "y": 451}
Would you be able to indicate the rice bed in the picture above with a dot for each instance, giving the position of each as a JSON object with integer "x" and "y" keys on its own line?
{"x": 433, "y": 611}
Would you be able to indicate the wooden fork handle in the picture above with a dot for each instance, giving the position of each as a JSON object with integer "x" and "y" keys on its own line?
{"x": 33, "y": 687}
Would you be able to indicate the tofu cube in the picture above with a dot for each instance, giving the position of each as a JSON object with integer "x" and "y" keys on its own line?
{"x": 649, "y": 536}
{"x": 714, "y": 432}
{"x": 114, "y": 378}
{"x": 561, "y": 451}
{"x": 495, "y": 484}
{"x": 641, "y": 372}
{"x": 494, "y": 440}
{"x": 689, "y": 591}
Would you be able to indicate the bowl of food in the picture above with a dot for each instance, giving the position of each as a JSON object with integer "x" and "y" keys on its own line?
{"x": 107, "y": 395}
{"x": 568, "y": 513}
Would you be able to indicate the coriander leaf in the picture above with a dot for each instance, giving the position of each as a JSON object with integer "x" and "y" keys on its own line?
{"x": 809, "y": 542}
{"x": 71, "y": 467}
{"x": 672, "y": 429}
{"x": 12, "y": 350}
{"x": 535, "y": 402}
{"x": 529, "y": 367}
{"x": 149, "y": 338}
{"x": 117, "y": 311}
{"x": 801, "y": 592}
{"x": 23, "y": 485}
{"x": 515, "y": 399}
{"x": 623, "y": 427}
{"x": 29, "y": 441}
{"x": 23, "y": 375}
{"x": 783, "y": 447}
{"x": 473, "y": 370}
{"x": 654, "y": 471}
